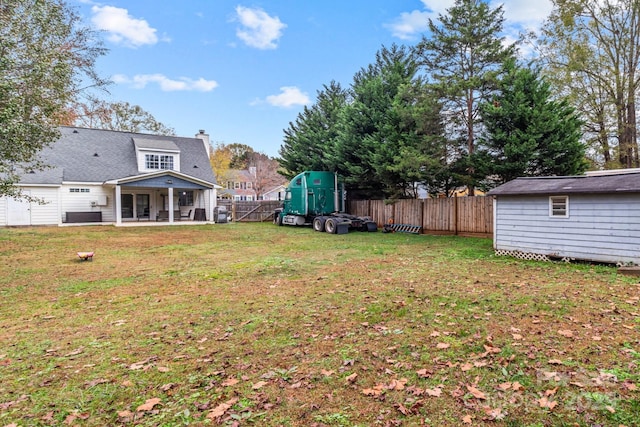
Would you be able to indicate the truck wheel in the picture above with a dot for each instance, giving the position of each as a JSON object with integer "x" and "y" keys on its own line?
{"x": 319, "y": 223}
{"x": 331, "y": 226}
{"x": 278, "y": 220}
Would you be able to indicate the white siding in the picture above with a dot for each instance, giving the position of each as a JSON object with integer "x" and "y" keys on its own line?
{"x": 81, "y": 201}
{"x": 40, "y": 214}
{"x": 3, "y": 211}
{"x": 47, "y": 213}
{"x": 599, "y": 227}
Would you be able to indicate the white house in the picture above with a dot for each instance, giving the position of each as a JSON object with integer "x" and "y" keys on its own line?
{"x": 276, "y": 193}
{"x": 593, "y": 217}
{"x": 116, "y": 177}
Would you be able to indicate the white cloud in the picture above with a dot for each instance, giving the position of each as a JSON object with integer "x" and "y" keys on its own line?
{"x": 408, "y": 24}
{"x": 166, "y": 84}
{"x": 519, "y": 14}
{"x": 525, "y": 13}
{"x": 123, "y": 28}
{"x": 289, "y": 96}
{"x": 258, "y": 29}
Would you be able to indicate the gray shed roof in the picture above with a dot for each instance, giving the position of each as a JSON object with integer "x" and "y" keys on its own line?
{"x": 614, "y": 183}
{"x": 96, "y": 155}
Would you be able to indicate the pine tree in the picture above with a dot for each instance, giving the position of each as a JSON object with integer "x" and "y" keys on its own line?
{"x": 527, "y": 132}
{"x": 463, "y": 56}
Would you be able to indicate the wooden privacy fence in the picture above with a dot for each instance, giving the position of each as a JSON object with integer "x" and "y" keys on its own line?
{"x": 468, "y": 216}
{"x": 254, "y": 211}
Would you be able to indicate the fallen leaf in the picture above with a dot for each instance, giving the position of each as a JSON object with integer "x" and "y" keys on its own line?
{"x": 163, "y": 369}
{"x": 555, "y": 362}
{"x": 148, "y": 405}
{"x": 230, "y": 382}
{"x": 493, "y": 414}
{"x": 551, "y": 392}
{"x": 466, "y": 367}
{"x": 467, "y": 419}
{"x": 424, "y": 373}
{"x": 375, "y": 391}
{"x": 433, "y": 392}
{"x": 397, "y": 384}
{"x": 327, "y": 373}
{"x": 351, "y": 378}
{"x": 546, "y": 403}
{"x": 629, "y": 385}
{"x": 74, "y": 352}
{"x": 490, "y": 349}
{"x": 566, "y": 333}
{"x": 222, "y": 408}
{"x": 259, "y": 385}
{"x": 504, "y": 386}
{"x": 167, "y": 387}
{"x": 516, "y": 386}
{"x": 443, "y": 345}
{"x": 475, "y": 392}
{"x": 516, "y": 336}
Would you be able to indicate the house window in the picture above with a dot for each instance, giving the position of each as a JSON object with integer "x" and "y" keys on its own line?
{"x": 79, "y": 190}
{"x": 166, "y": 162}
{"x": 154, "y": 161}
{"x": 151, "y": 161}
{"x": 559, "y": 206}
{"x": 236, "y": 185}
{"x": 186, "y": 198}
{"x": 249, "y": 185}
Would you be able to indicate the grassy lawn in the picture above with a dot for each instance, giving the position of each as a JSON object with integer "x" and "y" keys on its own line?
{"x": 241, "y": 324}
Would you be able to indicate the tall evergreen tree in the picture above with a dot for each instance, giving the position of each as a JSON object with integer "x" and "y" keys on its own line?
{"x": 463, "y": 55}
{"x": 374, "y": 128}
{"x": 527, "y": 132}
{"x": 309, "y": 141}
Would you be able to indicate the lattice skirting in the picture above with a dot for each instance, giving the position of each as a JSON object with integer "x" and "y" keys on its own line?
{"x": 523, "y": 255}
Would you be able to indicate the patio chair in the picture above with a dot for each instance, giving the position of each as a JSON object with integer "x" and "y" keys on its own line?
{"x": 185, "y": 215}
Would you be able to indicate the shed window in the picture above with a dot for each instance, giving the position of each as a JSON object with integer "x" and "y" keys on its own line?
{"x": 559, "y": 206}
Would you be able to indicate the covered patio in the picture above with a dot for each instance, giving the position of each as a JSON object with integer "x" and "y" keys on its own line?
{"x": 163, "y": 197}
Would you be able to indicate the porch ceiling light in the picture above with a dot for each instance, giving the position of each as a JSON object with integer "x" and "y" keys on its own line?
{"x": 169, "y": 181}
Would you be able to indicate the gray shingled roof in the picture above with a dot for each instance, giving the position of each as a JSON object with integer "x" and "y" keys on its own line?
{"x": 615, "y": 183}
{"x": 96, "y": 155}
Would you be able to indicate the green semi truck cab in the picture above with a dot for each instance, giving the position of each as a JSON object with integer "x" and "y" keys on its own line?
{"x": 318, "y": 198}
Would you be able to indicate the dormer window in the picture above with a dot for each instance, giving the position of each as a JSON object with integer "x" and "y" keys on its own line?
{"x": 154, "y": 155}
{"x": 155, "y": 161}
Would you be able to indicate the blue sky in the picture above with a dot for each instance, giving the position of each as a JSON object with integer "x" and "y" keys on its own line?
{"x": 243, "y": 70}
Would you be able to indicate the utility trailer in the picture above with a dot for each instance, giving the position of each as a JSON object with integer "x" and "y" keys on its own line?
{"x": 317, "y": 198}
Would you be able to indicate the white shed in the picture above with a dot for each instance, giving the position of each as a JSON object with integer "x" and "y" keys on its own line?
{"x": 593, "y": 217}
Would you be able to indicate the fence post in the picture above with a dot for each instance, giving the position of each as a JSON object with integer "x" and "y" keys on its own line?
{"x": 455, "y": 214}
{"x": 233, "y": 210}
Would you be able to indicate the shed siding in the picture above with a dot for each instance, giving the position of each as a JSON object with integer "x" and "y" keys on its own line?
{"x": 602, "y": 228}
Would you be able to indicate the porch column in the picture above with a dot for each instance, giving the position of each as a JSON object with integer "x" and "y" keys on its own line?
{"x": 212, "y": 203}
{"x": 170, "y": 204}
{"x": 118, "y": 204}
